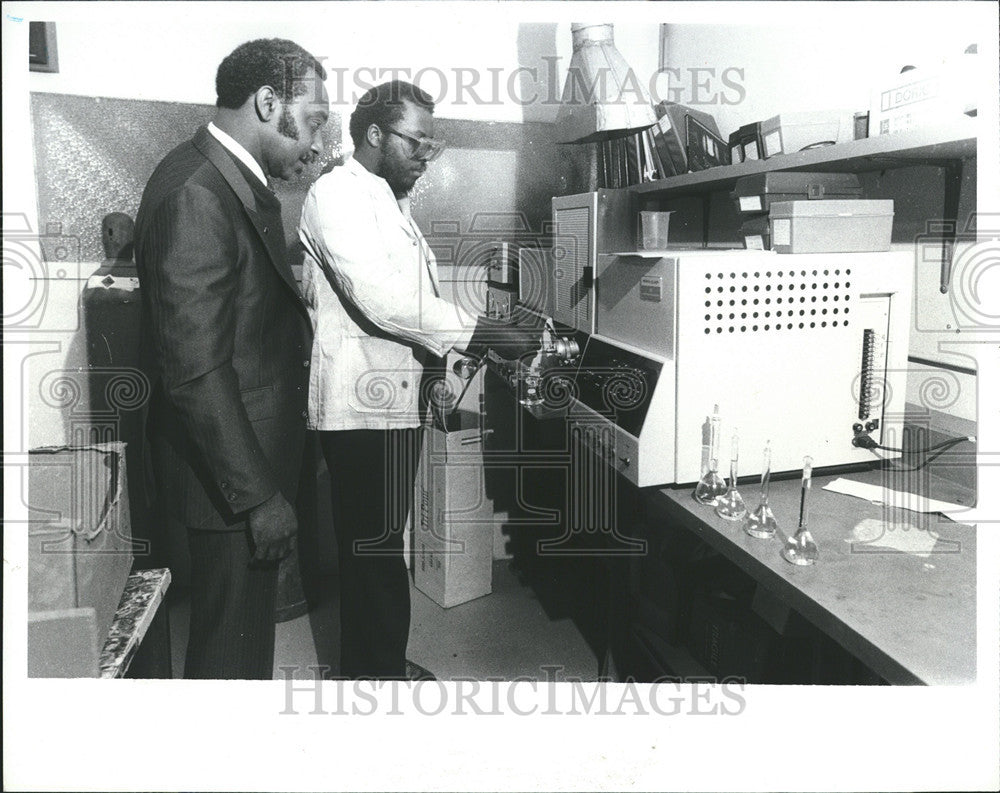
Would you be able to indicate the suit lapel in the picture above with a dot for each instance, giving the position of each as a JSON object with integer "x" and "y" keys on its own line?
{"x": 269, "y": 228}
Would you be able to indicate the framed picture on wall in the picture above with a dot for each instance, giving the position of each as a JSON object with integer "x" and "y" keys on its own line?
{"x": 42, "y": 56}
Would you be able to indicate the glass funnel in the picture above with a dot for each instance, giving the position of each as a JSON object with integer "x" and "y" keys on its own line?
{"x": 711, "y": 485}
{"x": 730, "y": 505}
{"x": 761, "y": 522}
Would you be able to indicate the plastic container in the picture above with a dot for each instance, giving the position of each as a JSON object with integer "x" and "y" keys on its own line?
{"x": 756, "y": 233}
{"x": 653, "y": 233}
{"x": 831, "y": 226}
{"x": 792, "y": 132}
{"x": 758, "y": 192}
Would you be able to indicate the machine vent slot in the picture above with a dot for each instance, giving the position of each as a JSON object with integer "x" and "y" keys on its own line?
{"x": 570, "y": 262}
{"x": 772, "y": 301}
{"x": 592, "y": 486}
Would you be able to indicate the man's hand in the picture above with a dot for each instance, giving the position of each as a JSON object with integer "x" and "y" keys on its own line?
{"x": 273, "y": 526}
{"x": 509, "y": 340}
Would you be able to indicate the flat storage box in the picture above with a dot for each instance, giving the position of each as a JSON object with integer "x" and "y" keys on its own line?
{"x": 79, "y": 538}
{"x": 756, "y": 232}
{"x": 792, "y": 132}
{"x": 756, "y": 193}
{"x": 831, "y": 226}
{"x": 453, "y": 532}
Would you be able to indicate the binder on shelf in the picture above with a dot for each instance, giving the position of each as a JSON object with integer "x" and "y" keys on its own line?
{"x": 688, "y": 139}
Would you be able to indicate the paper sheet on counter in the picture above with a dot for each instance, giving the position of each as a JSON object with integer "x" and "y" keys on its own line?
{"x": 892, "y": 536}
{"x": 899, "y": 499}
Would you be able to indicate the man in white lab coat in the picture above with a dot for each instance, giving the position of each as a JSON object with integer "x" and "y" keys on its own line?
{"x": 371, "y": 288}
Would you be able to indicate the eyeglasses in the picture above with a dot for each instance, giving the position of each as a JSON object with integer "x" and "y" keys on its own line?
{"x": 423, "y": 149}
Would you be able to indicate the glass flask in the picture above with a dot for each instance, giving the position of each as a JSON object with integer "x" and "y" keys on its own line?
{"x": 730, "y": 506}
{"x": 711, "y": 485}
{"x": 761, "y": 522}
{"x": 800, "y": 549}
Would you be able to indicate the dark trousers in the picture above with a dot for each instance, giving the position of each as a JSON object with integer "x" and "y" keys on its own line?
{"x": 232, "y": 609}
{"x": 371, "y": 476}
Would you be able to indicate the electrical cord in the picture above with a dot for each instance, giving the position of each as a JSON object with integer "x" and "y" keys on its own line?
{"x": 866, "y": 442}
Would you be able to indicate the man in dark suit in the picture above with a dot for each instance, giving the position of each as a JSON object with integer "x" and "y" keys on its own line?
{"x": 226, "y": 341}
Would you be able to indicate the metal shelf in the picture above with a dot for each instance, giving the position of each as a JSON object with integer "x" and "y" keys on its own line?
{"x": 943, "y": 144}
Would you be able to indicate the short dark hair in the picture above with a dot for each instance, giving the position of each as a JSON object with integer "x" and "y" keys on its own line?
{"x": 383, "y": 105}
{"x": 279, "y": 63}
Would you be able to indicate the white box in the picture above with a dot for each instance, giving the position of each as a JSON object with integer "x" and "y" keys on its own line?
{"x": 924, "y": 96}
{"x": 63, "y": 643}
{"x": 453, "y": 525}
{"x": 79, "y": 532}
{"x": 837, "y": 226}
{"x": 792, "y": 132}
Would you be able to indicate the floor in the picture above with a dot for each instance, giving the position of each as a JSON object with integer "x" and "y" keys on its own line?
{"x": 511, "y": 633}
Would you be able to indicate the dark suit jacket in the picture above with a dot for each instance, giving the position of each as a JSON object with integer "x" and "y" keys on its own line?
{"x": 226, "y": 337}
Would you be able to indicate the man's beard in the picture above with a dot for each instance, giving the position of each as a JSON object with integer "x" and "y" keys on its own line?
{"x": 399, "y": 177}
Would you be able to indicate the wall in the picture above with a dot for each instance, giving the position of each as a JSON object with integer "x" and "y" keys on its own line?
{"x": 476, "y": 66}
{"x": 502, "y": 159}
{"x": 834, "y": 61}
{"x": 135, "y": 80}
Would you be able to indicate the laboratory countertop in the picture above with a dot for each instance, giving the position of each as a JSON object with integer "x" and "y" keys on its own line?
{"x": 894, "y": 587}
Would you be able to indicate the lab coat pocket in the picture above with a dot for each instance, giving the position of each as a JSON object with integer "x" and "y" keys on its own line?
{"x": 383, "y": 377}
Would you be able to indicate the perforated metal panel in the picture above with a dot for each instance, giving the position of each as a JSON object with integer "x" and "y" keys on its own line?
{"x": 776, "y": 300}
{"x": 571, "y": 258}
{"x": 776, "y": 341}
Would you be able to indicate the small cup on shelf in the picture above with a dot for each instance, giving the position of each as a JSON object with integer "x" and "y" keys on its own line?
{"x": 653, "y": 231}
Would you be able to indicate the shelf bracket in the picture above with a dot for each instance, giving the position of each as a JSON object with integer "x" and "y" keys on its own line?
{"x": 706, "y": 208}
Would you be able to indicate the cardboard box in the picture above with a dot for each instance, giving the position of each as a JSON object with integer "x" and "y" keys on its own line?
{"x": 453, "y": 518}
{"x": 79, "y": 533}
{"x": 935, "y": 94}
{"x": 63, "y": 643}
{"x": 729, "y": 639}
{"x": 831, "y": 226}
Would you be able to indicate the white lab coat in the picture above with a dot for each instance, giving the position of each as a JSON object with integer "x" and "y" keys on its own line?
{"x": 370, "y": 284}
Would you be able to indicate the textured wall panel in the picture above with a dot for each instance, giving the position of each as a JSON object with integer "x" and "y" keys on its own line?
{"x": 94, "y": 155}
